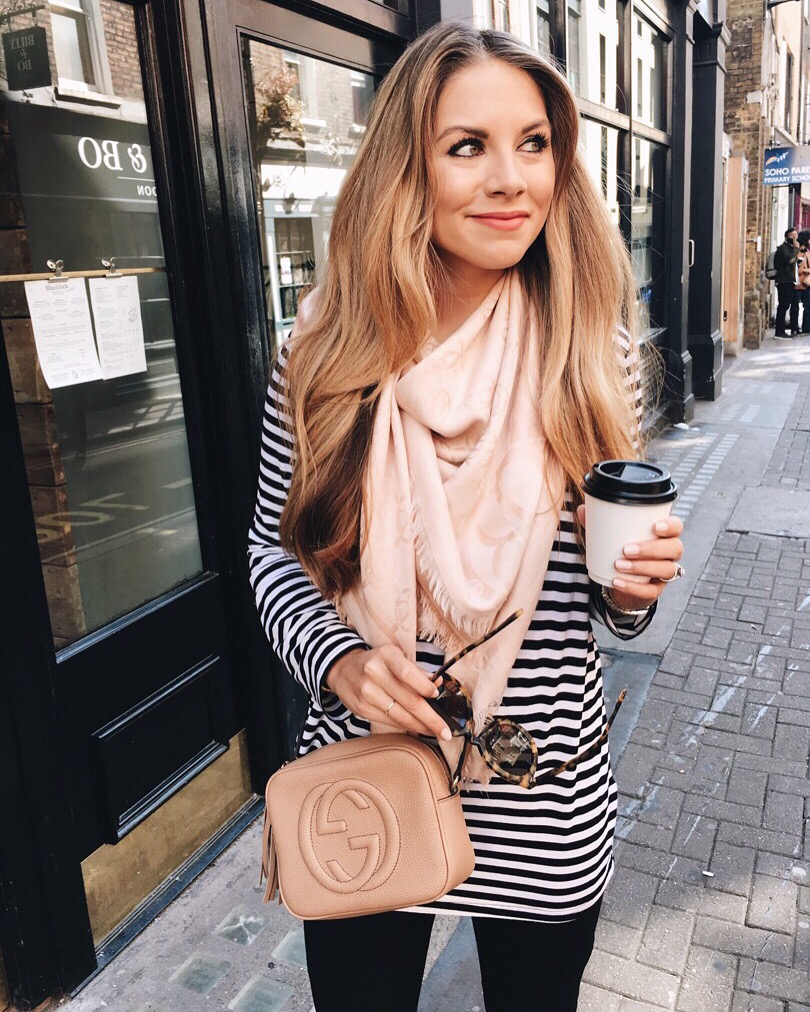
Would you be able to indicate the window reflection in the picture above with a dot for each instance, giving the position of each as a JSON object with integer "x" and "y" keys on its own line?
{"x": 647, "y": 228}
{"x": 592, "y": 41}
{"x": 107, "y": 460}
{"x": 600, "y": 149}
{"x": 545, "y": 44}
{"x": 308, "y": 118}
{"x": 649, "y": 79}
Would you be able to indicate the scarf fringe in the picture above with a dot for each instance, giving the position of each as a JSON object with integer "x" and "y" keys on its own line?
{"x": 437, "y": 603}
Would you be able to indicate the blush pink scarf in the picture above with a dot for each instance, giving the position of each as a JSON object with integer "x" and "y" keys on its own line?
{"x": 460, "y": 510}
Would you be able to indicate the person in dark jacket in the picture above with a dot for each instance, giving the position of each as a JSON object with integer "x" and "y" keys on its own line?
{"x": 785, "y": 262}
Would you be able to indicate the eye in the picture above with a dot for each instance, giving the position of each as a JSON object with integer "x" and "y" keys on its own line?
{"x": 539, "y": 143}
{"x": 457, "y": 150}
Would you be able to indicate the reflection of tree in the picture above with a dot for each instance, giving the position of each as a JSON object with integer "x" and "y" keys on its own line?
{"x": 278, "y": 111}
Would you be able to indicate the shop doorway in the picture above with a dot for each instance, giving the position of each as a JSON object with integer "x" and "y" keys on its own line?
{"x": 304, "y": 84}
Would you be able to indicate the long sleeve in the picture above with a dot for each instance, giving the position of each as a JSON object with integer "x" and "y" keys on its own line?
{"x": 626, "y": 627}
{"x": 303, "y": 628}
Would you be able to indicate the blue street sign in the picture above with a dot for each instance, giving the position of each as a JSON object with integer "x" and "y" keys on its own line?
{"x": 787, "y": 166}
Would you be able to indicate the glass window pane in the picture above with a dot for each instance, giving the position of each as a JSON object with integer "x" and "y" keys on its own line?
{"x": 647, "y": 228}
{"x": 107, "y": 460}
{"x": 600, "y": 148}
{"x": 545, "y": 45}
{"x": 650, "y": 50}
{"x": 592, "y": 47}
{"x": 308, "y": 116}
{"x": 72, "y": 47}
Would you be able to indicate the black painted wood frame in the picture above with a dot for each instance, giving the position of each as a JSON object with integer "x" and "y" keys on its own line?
{"x": 44, "y": 925}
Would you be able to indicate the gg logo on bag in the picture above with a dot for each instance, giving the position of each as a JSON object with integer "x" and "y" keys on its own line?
{"x": 349, "y": 836}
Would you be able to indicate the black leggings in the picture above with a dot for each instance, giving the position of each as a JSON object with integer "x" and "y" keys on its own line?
{"x": 377, "y": 962}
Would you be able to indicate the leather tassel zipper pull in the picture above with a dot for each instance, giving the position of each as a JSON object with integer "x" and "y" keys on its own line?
{"x": 269, "y": 862}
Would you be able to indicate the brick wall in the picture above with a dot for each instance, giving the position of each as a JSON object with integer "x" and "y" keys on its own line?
{"x": 749, "y": 129}
{"x": 122, "y": 48}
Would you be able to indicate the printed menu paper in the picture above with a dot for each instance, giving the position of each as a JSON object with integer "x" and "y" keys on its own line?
{"x": 63, "y": 332}
{"x": 119, "y": 329}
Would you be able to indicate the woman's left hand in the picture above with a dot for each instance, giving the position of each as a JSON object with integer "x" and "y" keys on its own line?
{"x": 656, "y": 558}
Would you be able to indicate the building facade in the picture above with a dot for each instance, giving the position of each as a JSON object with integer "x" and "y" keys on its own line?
{"x": 169, "y": 172}
{"x": 766, "y": 107}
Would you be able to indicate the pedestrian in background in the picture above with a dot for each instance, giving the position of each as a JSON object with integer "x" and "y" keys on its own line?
{"x": 785, "y": 262}
{"x": 426, "y": 433}
{"x": 803, "y": 279}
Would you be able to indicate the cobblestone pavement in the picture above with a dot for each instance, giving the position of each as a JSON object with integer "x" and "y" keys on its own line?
{"x": 710, "y": 906}
{"x": 709, "y": 909}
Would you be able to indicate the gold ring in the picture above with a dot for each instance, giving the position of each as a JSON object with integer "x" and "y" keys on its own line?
{"x": 387, "y": 709}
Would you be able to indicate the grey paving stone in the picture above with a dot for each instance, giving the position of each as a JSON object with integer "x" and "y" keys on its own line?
{"x": 791, "y": 742}
{"x": 733, "y": 869}
{"x": 741, "y": 940}
{"x": 746, "y": 787}
{"x": 773, "y": 904}
{"x": 784, "y": 812}
{"x": 782, "y": 982}
{"x": 616, "y": 938}
{"x": 630, "y": 1005}
{"x": 707, "y": 982}
{"x": 666, "y": 939}
{"x": 695, "y": 836}
{"x": 629, "y": 897}
{"x": 596, "y": 999}
{"x": 682, "y": 895}
{"x": 755, "y": 1003}
{"x": 760, "y": 839}
{"x": 801, "y": 952}
{"x": 626, "y": 977}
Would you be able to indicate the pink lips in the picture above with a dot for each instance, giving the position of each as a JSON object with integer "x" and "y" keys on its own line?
{"x": 504, "y": 221}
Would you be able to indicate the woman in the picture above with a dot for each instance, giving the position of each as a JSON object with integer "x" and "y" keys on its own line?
{"x": 445, "y": 392}
{"x": 803, "y": 279}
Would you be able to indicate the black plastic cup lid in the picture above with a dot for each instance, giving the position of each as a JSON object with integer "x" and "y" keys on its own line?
{"x": 631, "y": 482}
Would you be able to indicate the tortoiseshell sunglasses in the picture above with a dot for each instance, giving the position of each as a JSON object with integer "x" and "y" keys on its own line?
{"x": 506, "y": 747}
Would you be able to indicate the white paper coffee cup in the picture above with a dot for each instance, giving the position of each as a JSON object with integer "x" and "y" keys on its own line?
{"x": 623, "y": 499}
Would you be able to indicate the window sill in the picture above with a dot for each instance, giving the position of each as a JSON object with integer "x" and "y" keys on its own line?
{"x": 87, "y": 97}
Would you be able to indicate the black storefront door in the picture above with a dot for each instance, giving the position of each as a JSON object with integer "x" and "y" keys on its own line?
{"x": 119, "y": 647}
{"x": 202, "y": 146}
{"x": 292, "y": 87}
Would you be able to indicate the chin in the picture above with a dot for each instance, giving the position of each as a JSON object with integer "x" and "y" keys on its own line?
{"x": 501, "y": 262}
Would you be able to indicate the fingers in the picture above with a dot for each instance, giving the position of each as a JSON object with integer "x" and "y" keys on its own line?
{"x": 664, "y": 570}
{"x": 661, "y": 548}
{"x": 388, "y": 675}
{"x": 581, "y": 513}
{"x": 671, "y": 527}
{"x": 642, "y": 594}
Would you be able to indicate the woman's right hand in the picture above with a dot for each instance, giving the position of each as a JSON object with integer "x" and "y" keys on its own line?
{"x": 366, "y": 681}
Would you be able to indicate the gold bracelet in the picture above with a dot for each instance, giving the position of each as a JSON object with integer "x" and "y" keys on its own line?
{"x": 608, "y": 598}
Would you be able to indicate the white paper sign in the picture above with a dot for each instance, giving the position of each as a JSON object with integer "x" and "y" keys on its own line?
{"x": 63, "y": 332}
{"x": 119, "y": 330}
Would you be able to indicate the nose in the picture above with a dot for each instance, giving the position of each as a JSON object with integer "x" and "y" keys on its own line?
{"x": 505, "y": 178}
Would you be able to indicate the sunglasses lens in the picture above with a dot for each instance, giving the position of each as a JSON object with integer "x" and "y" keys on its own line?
{"x": 508, "y": 747}
{"x": 453, "y": 706}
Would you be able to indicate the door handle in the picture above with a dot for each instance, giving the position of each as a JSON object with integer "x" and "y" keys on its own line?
{"x": 691, "y": 252}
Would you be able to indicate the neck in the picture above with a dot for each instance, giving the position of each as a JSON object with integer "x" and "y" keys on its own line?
{"x": 466, "y": 289}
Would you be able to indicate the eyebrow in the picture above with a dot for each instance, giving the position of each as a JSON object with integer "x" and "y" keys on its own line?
{"x": 484, "y": 134}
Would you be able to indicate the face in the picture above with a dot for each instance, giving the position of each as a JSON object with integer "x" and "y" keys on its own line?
{"x": 792, "y": 236}
{"x": 492, "y": 167}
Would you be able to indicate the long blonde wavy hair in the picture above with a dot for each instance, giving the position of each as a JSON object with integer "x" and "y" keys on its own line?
{"x": 376, "y": 301}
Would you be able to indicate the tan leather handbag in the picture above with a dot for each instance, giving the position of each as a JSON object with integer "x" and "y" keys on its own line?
{"x": 364, "y": 826}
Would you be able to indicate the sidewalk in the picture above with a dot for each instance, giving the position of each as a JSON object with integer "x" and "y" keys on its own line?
{"x": 709, "y": 909}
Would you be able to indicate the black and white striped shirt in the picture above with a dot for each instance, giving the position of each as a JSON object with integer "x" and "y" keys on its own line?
{"x": 541, "y": 854}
